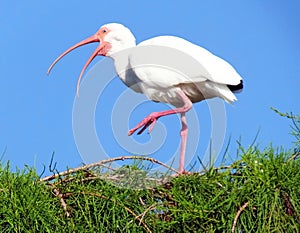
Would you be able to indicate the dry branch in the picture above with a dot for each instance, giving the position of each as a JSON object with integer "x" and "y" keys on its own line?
{"x": 62, "y": 201}
{"x": 237, "y": 216}
{"x": 101, "y": 163}
{"x": 294, "y": 156}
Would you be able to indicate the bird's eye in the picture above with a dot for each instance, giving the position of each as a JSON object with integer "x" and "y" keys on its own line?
{"x": 104, "y": 30}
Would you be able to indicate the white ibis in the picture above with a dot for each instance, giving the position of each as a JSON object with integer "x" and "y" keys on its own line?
{"x": 217, "y": 79}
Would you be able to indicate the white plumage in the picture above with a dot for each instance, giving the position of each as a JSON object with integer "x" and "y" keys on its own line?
{"x": 160, "y": 84}
{"x": 166, "y": 69}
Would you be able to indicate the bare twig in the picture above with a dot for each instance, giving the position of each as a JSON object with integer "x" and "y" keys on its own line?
{"x": 237, "y": 216}
{"x": 294, "y": 156}
{"x": 62, "y": 201}
{"x": 142, "y": 215}
{"x": 142, "y": 202}
{"x": 100, "y": 163}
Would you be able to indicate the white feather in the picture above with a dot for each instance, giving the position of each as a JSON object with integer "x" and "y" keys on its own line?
{"x": 219, "y": 70}
{"x": 161, "y": 66}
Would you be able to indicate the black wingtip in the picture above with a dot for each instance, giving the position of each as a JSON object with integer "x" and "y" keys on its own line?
{"x": 236, "y": 88}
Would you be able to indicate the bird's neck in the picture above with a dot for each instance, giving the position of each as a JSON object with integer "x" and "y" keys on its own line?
{"x": 118, "y": 46}
{"x": 121, "y": 60}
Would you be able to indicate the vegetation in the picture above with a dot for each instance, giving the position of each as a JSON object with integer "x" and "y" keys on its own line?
{"x": 257, "y": 193}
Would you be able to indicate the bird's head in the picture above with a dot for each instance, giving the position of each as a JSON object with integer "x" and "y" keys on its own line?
{"x": 113, "y": 37}
{"x": 117, "y": 37}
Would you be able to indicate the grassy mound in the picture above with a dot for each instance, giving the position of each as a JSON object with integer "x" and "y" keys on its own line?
{"x": 257, "y": 193}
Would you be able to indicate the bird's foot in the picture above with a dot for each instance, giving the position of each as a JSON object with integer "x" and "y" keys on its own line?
{"x": 145, "y": 123}
{"x": 185, "y": 172}
{"x": 182, "y": 172}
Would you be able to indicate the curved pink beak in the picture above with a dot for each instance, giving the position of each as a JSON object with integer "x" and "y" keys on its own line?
{"x": 98, "y": 51}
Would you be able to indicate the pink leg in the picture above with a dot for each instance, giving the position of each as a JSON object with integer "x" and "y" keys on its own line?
{"x": 183, "y": 135}
{"x": 152, "y": 118}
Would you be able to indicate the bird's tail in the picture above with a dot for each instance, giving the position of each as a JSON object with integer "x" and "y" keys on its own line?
{"x": 236, "y": 88}
{"x": 212, "y": 89}
{"x": 225, "y": 93}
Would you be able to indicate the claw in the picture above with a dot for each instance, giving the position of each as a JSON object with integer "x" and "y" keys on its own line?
{"x": 144, "y": 124}
{"x": 145, "y": 127}
{"x": 152, "y": 126}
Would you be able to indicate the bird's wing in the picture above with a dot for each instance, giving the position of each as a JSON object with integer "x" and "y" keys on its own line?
{"x": 195, "y": 63}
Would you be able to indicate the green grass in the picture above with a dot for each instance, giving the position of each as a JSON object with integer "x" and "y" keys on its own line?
{"x": 26, "y": 204}
{"x": 258, "y": 193}
{"x": 209, "y": 202}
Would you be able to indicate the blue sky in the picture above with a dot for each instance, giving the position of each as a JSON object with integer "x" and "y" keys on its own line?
{"x": 260, "y": 38}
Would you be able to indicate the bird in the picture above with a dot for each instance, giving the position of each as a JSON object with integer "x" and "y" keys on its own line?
{"x": 212, "y": 76}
